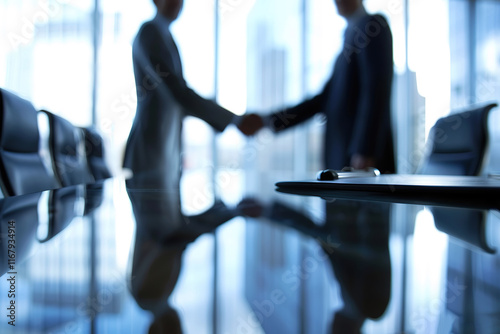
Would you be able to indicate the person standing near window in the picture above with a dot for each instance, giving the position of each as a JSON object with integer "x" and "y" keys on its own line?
{"x": 153, "y": 150}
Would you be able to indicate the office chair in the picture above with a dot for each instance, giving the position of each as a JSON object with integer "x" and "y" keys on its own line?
{"x": 457, "y": 145}
{"x": 67, "y": 152}
{"x": 22, "y": 169}
{"x": 94, "y": 149}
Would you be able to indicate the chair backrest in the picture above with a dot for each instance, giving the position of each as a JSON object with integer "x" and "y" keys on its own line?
{"x": 94, "y": 149}
{"x": 457, "y": 143}
{"x": 22, "y": 170}
{"x": 67, "y": 152}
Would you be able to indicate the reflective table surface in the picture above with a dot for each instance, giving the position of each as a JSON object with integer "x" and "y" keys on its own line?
{"x": 119, "y": 258}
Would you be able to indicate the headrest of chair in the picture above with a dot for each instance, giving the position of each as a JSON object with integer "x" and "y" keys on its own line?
{"x": 93, "y": 142}
{"x": 64, "y": 135}
{"x": 19, "y": 125}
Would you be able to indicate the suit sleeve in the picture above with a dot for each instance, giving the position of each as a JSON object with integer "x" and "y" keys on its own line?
{"x": 152, "y": 43}
{"x": 376, "y": 72}
{"x": 295, "y": 115}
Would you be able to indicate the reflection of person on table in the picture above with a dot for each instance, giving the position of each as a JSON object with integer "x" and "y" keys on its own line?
{"x": 364, "y": 270}
{"x": 163, "y": 100}
{"x": 162, "y": 235}
{"x": 358, "y": 252}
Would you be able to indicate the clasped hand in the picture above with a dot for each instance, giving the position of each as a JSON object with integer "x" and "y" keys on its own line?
{"x": 250, "y": 124}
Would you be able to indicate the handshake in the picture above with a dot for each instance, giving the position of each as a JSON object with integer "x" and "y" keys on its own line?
{"x": 250, "y": 123}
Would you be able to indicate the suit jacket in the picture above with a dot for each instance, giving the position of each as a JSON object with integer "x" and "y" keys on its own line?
{"x": 355, "y": 100}
{"x": 163, "y": 100}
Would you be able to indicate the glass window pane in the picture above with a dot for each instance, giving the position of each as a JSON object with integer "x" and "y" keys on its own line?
{"x": 488, "y": 51}
{"x": 487, "y": 81}
{"x": 47, "y": 55}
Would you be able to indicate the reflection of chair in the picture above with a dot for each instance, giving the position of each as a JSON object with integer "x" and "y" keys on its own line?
{"x": 21, "y": 167}
{"x": 95, "y": 154}
{"x": 62, "y": 208}
{"x": 457, "y": 146}
{"x": 94, "y": 196}
{"x": 463, "y": 224}
{"x": 18, "y": 220}
{"x": 67, "y": 152}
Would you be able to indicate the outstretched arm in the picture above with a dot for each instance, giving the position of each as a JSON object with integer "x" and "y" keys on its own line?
{"x": 160, "y": 60}
{"x": 289, "y": 117}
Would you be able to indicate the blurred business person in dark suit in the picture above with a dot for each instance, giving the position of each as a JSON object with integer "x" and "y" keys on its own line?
{"x": 356, "y": 102}
{"x": 164, "y": 99}
{"x": 356, "y": 99}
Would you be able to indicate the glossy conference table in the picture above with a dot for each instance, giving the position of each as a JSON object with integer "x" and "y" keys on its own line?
{"x": 111, "y": 259}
